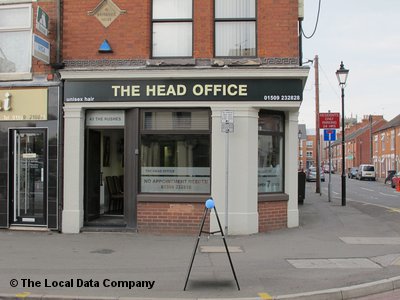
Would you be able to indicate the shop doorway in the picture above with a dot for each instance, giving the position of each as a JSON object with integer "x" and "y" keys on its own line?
{"x": 104, "y": 177}
{"x": 28, "y": 174}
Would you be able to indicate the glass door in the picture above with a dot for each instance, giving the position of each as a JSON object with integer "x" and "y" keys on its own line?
{"x": 29, "y": 199}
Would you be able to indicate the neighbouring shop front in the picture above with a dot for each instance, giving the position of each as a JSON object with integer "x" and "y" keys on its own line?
{"x": 144, "y": 150}
{"x": 29, "y": 157}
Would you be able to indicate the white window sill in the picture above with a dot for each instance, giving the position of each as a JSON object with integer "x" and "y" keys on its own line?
{"x": 15, "y": 76}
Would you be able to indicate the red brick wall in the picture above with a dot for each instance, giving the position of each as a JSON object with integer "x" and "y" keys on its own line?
{"x": 172, "y": 218}
{"x": 272, "y": 215}
{"x": 277, "y": 28}
{"x": 130, "y": 34}
{"x": 203, "y": 39}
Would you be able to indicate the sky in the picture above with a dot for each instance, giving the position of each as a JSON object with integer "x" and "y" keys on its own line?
{"x": 365, "y": 35}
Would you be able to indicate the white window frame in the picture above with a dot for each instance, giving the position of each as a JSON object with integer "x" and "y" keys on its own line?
{"x": 19, "y": 75}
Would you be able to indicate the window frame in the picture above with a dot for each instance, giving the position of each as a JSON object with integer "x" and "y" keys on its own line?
{"x": 231, "y": 20}
{"x": 272, "y": 133}
{"x": 29, "y": 29}
{"x": 143, "y": 131}
{"x": 177, "y": 20}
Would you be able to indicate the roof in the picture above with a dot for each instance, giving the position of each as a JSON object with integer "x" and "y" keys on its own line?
{"x": 392, "y": 123}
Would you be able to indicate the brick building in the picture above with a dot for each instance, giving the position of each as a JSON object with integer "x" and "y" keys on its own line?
{"x": 29, "y": 114}
{"x": 386, "y": 148}
{"x": 172, "y": 100}
{"x": 357, "y": 143}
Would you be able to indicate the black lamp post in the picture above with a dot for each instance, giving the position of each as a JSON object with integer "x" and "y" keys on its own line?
{"x": 341, "y": 75}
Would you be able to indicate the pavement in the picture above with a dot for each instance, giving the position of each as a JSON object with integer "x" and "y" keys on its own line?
{"x": 337, "y": 252}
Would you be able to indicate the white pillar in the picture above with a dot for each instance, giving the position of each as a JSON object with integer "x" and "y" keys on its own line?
{"x": 243, "y": 175}
{"x": 72, "y": 215}
{"x": 291, "y": 176}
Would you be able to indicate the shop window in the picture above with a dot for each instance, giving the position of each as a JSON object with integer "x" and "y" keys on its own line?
{"x": 235, "y": 28}
{"x": 172, "y": 28}
{"x": 175, "y": 152}
{"x": 15, "y": 39}
{"x": 270, "y": 152}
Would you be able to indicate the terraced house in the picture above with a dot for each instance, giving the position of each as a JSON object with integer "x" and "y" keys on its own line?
{"x": 386, "y": 148}
{"x": 165, "y": 103}
{"x": 30, "y": 185}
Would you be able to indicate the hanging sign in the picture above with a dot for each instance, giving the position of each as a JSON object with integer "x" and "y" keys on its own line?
{"x": 42, "y": 21}
{"x": 41, "y": 49}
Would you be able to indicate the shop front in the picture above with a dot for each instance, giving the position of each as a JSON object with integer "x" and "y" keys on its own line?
{"x": 145, "y": 149}
{"x": 29, "y": 132}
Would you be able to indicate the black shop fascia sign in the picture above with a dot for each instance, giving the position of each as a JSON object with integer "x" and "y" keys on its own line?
{"x": 184, "y": 90}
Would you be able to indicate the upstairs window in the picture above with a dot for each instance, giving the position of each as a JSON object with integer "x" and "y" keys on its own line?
{"x": 15, "y": 39}
{"x": 172, "y": 28}
{"x": 235, "y": 28}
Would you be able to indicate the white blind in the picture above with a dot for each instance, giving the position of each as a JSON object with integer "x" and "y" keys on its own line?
{"x": 167, "y": 120}
{"x": 235, "y": 9}
{"x": 172, "y": 39}
{"x": 172, "y": 9}
{"x": 235, "y": 39}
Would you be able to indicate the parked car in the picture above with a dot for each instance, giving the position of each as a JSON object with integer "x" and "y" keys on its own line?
{"x": 326, "y": 169}
{"x": 352, "y": 172}
{"x": 311, "y": 174}
{"x": 396, "y": 180}
{"x": 366, "y": 172}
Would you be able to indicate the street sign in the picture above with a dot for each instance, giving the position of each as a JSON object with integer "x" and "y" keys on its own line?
{"x": 41, "y": 49}
{"x": 329, "y": 135}
{"x": 329, "y": 120}
{"x": 42, "y": 21}
{"x": 227, "y": 123}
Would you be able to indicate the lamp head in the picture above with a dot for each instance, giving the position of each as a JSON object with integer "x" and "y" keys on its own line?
{"x": 342, "y": 74}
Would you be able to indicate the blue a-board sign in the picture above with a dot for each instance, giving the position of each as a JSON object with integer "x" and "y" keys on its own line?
{"x": 329, "y": 135}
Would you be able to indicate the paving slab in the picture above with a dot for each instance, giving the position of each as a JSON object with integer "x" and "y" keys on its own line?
{"x": 263, "y": 267}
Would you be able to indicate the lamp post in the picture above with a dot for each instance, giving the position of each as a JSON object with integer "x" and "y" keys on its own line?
{"x": 341, "y": 75}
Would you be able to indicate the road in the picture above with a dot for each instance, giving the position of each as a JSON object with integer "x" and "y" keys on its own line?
{"x": 374, "y": 198}
{"x": 371, "y": 197}
{"x": 371, "y": 192}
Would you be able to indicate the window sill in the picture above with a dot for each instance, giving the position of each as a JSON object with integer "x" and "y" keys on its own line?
{"x": 176, "y": 198}
{"x": 15, "y": 76}
{"x": 273, "y": 197}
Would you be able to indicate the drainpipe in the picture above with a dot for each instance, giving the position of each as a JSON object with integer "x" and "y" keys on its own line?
{"x": 301, "y": 17}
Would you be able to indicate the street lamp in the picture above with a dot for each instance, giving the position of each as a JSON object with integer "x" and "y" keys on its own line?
{"x": 341, "y": 75}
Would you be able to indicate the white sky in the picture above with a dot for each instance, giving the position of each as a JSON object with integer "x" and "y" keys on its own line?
{"x": 365, "y": 35}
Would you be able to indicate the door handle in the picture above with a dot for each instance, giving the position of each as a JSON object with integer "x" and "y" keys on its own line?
{"x": 41, "y": 174}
